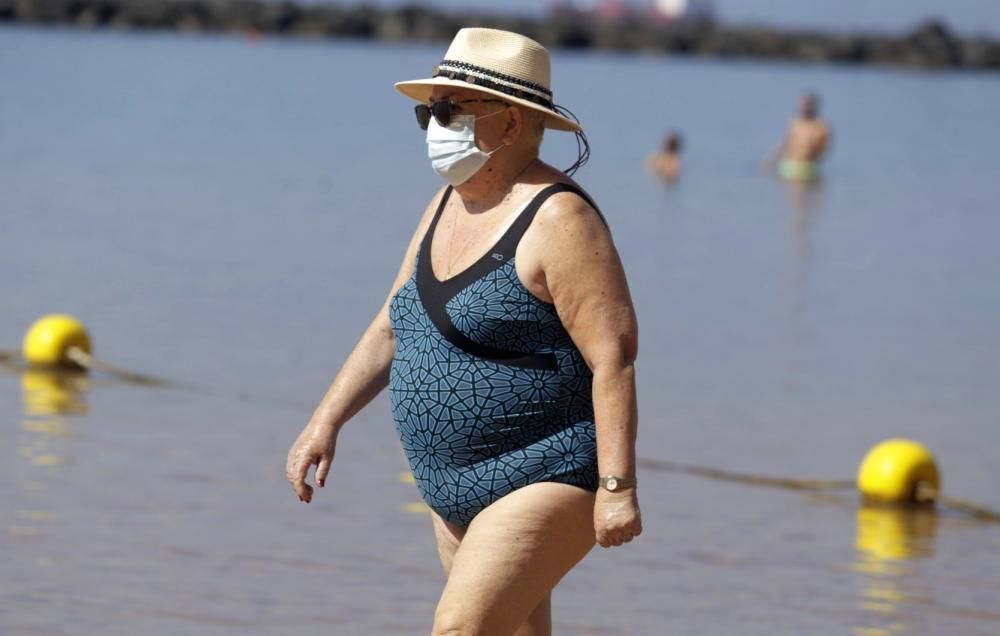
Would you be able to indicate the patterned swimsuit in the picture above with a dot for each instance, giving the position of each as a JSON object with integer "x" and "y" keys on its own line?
{"x": 488, "y": 391}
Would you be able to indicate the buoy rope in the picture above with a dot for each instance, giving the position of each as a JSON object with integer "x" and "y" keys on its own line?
{"x": 746, "y": 478}
{"x": 14, "y": 359}
{"x": 979, "y": 512}
{"x": 11, "y": 360}
{"x": 926, "y": 493}
{"x": 87, "y": 361}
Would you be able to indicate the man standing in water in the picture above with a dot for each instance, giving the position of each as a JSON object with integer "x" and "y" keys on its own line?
{"x": 805, "y": 144}
{"x": 666, "y": 164}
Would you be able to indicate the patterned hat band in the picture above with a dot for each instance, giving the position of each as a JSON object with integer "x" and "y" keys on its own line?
{"x": 506, "y": 84}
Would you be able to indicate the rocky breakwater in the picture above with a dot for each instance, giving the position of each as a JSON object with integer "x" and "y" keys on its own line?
{"x": 930, "y": 46}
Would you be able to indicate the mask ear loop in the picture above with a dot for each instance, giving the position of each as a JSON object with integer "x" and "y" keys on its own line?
{"x": 582, "y": 145}
{"x": 503, "y": 144}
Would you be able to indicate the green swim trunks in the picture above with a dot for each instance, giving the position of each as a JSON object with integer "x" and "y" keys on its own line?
{"x": 794, "y": 170}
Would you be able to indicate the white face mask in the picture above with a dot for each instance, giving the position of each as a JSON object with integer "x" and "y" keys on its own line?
{"x": 452, "y": 149}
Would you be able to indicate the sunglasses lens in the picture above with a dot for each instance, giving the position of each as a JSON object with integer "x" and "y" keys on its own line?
{"x": 423, "y": 116}
{"x": 442, "y": 112}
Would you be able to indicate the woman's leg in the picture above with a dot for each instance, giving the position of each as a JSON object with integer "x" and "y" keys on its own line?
{"x": 539, "y": 623}
{"x": 449, "y": 537}
{"x": 509, "y": 559}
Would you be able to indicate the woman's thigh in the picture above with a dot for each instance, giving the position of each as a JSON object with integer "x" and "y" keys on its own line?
{"x": 512, "y": 555}
{"x": 448, "y": 537}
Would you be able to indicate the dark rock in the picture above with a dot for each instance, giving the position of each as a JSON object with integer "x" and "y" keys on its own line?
{"x": 570, "y": 34}
{"x": 413, "y": 22}
{"x": 884, "y": 50}
{"x": 281, "y": 17}
{"x": 931, "y": 45}
{"x": 190, "y": 16}
{"x": 727, "y": 43}
{"x": 683, "y": 37}
{"x": 848, "y": 49}
{"x": 980, "y": 53}
{"x": 43, "y": 11}
{"x": 765, "y": 43}
{"x": 146, "y": 15}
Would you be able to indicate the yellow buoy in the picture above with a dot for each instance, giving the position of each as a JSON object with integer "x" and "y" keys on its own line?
{"x": 50, "y": 339}
{"x": 894, "y": 534}
{"x": 53, "y": 393}
{"x": 899, "y": 471}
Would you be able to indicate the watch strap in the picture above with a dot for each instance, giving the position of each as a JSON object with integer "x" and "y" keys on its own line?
{"x": 614, "y": 483}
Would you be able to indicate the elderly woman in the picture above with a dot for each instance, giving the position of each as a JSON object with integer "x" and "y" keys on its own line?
{"x": 507, "y": 342}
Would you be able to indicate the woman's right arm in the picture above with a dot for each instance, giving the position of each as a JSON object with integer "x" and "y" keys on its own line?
{"x": 361, "y": 378}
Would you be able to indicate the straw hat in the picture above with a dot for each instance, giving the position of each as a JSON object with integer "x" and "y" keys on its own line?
{"x": 501, "y": 63}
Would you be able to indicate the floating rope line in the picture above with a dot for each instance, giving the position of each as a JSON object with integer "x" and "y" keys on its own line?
{"x": 925, "y": 493}
{"x": 15, "y": 363}
{"x": 745, "y": 478}
{"x": 971, "y": 509}
{"x": 87, "y": 361}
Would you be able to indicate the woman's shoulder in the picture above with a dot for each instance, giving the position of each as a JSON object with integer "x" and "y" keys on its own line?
{"x": 569, "y": 207}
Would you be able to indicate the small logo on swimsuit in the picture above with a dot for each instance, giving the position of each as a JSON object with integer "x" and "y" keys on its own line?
{"x": 498, "y": 257}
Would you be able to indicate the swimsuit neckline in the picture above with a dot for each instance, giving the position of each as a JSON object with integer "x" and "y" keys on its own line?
{"x": 477, "y": 266}
{"x": 498, "y": 255}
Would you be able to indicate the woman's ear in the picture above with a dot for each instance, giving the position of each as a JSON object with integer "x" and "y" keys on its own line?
{"x": 515, "y": 126}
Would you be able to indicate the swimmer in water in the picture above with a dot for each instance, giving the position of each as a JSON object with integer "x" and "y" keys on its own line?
{"x": 666, "y": 163}
{"x": 804, "y": 145}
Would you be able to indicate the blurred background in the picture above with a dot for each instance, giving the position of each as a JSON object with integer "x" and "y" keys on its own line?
{"x": 226, "y": 209}
{"x": 970, "y": 16}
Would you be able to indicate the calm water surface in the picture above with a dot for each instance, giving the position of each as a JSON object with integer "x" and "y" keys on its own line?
{"x": 229, "y": 215}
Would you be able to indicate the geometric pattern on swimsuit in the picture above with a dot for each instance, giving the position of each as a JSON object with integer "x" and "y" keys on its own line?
{"x": 488, "y": 391}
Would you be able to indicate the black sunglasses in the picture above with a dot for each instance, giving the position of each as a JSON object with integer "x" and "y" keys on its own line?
{"x": 444, "y": 110}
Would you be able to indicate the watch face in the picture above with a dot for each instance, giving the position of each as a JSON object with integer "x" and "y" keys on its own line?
{"x": 611, "y": 484}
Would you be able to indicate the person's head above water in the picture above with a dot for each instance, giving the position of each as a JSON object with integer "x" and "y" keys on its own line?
{"x": 809, "y": 106}
{"x": 672, "y": 143}
{"x": 489, "y": 99}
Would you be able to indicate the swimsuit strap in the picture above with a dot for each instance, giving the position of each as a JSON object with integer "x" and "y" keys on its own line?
{"x": 508, "y": 243}
{"x": 425, "y": 245}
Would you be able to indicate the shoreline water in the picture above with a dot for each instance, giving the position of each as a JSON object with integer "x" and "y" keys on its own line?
{"x": 931, "y": 46}
{"x": 229, "y": 213}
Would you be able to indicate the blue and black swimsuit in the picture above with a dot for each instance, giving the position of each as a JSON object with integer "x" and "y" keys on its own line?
{"x": 488, "y": 391}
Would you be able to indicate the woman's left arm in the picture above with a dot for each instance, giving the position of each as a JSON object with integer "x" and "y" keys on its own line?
{"x": 583, "y": 274}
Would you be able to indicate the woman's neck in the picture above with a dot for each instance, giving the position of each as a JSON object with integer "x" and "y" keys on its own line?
{"x": 493, "y": 183}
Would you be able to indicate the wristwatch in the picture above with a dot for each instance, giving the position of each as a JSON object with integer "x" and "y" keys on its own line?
{"x": 613, "y": 483}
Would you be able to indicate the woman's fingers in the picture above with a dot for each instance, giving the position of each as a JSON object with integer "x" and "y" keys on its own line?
{"x": 299, "y": 474}
{"x": 635, "y": 528}
{"x": 609, "y": 538}
{"x": 309, "y": 450}
{"x": 296, "y": 471}
{"x": 322, "y": 470}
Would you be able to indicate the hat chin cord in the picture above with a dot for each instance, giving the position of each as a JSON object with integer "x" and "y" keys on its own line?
{"x": 582, "y": 145}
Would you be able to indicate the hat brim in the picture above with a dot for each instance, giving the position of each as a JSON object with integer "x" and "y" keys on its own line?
{"x": 420, "y": 90}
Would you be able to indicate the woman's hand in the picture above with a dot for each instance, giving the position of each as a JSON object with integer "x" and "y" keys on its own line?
{"x": 617, "y": 519}
{"x": 315, "y": 446}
